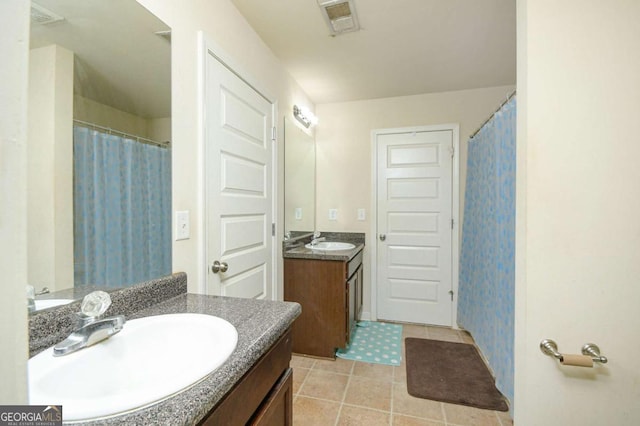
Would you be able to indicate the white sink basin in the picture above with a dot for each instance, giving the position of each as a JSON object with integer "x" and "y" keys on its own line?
{"x": 150, "y": 359}
{"x": 50, "y": 303}
{"x": 330, "y": 246}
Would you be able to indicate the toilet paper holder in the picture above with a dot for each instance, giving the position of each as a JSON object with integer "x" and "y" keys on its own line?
{"x": 549, "y": 347}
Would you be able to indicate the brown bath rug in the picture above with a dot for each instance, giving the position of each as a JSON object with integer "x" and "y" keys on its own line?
{"x": 450, "y": 372}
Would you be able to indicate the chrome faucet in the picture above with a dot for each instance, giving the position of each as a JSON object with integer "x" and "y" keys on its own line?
{"x": 45, "y": 290}
{"x": 91, "y": 328}
{"x": 317, "y": 238}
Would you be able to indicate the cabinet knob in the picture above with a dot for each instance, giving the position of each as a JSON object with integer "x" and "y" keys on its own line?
{"x": 219, "y": 267}
{"x": 383, "y": 237}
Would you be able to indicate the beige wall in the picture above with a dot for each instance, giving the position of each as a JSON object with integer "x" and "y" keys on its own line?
{"x": 578, "y": 204}
{"x": 90, "y": 111}
{"x": 159, "y": 129}
{"x": 14, "y": 45}
{"x": 50, "y": 168}
{"x": 226, "y": 27}
{"x": 343, "y": 146}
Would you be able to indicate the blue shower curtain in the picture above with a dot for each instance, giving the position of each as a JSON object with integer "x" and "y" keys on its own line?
{"x": 487, "y": 259}
{"x": 122, "y": 209}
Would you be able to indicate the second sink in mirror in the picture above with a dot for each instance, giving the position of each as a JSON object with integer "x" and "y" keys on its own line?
{"x": 330, "y": 246}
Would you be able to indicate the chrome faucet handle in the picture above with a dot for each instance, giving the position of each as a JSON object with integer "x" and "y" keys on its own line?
{"x": 316, "y": 234}
{"x": 93, "y": 306}
{"x": 95, "y": 303}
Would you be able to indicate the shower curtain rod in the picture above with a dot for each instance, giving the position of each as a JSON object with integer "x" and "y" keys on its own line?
{"x": 494, "y": 113}
{"x": 140, "y": 139}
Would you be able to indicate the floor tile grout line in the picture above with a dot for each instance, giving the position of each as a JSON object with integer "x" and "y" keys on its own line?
{"x": 344, "y": 393}
{"x": 393, "y": 376}
{"x": 332, "y": 372}
{"x": 444, "y": 414}
{"x": 499, "y": 418}
{"x": 320, "y": 399}
{"x": 304, "y": 380}
{"x": 377, "y": 410}
{"x": 347, "y": 404}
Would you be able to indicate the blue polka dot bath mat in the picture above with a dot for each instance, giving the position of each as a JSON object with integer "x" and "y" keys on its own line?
{"x": 376, "y": 342}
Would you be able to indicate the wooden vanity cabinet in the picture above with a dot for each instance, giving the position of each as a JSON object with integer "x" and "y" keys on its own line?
{"x": 264, "y": 395}
{"x": 358, "y": 298}
{"x": 330, "y": 293}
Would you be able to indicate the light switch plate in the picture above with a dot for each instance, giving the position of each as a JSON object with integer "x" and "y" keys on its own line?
{"x": 182, "y": 225}
{"x": 298, "y": 213}
{"x": 333, "y": 214}
{"x": 361, "y": 214}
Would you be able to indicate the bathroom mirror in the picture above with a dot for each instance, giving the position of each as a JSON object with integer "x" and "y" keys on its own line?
{"x": 98, "y": 70}
{"x": 299, "y": 180}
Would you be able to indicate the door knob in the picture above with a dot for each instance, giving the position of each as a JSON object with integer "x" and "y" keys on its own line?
{"x": 383, "y": 237}
{"x": 219, "y": 267}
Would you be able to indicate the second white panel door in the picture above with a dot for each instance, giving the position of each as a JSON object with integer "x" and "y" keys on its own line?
{"x": 414, "y": 204}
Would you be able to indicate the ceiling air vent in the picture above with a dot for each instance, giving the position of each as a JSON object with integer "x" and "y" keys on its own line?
{"x": 43, "y": 16}
{"x": 340, "y": 15}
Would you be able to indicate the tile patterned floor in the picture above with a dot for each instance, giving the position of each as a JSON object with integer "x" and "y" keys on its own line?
{"x": 344, "y": 392}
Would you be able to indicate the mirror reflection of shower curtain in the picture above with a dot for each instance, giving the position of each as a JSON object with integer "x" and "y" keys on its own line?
{"x": 122, "y": 209}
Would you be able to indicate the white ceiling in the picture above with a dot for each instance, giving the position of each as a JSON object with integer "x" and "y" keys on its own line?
{"x": 404, "y": 47}
{"x": 119, "y": 61}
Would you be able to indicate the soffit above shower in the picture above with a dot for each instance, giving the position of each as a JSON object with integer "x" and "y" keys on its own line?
{"x": 402, "y": 47}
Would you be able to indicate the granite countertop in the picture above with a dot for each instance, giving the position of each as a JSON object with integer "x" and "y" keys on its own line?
{"x": 301, "y": 252}
{"x": 259, "y": 323}
{"x": 296, "y": 249}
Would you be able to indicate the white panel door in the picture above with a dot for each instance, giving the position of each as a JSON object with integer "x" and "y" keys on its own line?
{"x": 414, "y": 187}
{"x": 238, "y": 148}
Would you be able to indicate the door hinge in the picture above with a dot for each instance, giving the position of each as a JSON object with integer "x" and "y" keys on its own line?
{"x": 273, "y": 229}
{"x": 274, "y": 133}
{"x": 451, "y": 294}
{"x": 452, "y": 150}
{"x": 451, "y": 223}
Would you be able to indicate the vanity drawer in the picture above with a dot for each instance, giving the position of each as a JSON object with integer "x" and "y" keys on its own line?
{"x": 277, "y": 410}
{"x": 246, "y": 398}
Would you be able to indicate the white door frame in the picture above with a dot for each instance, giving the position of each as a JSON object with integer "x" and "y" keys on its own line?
{"x": 455, "y": 211}
{"x": 207, "y": 46}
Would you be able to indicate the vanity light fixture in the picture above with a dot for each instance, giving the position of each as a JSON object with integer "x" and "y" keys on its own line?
{"x": 304, "y": 116}
{"x": 340, "y": 16}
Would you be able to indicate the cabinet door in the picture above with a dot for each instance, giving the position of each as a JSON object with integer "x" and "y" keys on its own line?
{"x": 359, "y": 293}
{"x": 277, "y": 410}
{"x": 319, "y": 287}
{"x": 352, "y": 297}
